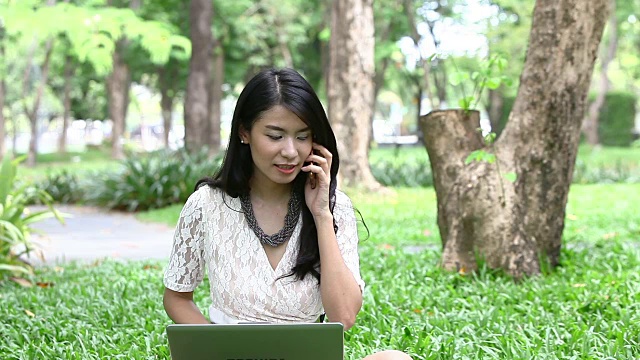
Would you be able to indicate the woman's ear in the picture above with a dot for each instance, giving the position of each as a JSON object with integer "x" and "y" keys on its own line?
{"x": 244, "y": 135}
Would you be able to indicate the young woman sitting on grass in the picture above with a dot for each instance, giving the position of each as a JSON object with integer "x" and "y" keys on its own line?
{"x": 271, "y": 224}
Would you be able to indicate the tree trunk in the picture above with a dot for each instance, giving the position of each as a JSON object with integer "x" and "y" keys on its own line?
{"x": 167, "y": 96}
{"x": 196, "y": 107}
{"x": 3, "y": 125}
{"x": 495, "y": 109}
{"x": 424, "y": 63}
{"x": 215, "y": 101}
{"x": 480, "y": 213}
{"x": 441, "y": 82}
{"x": 591, "y": 122}
{"x": 350, "y": 88}
{"x": 118, "y": 83}
{"x": 33, "y": 113}
{"x": 68, "y": 72}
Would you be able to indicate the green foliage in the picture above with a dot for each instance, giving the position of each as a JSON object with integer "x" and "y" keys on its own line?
{"x": 93, "y": 32}
{"x": 63, "y": 187}
{"x": 150, "y": 182}
{"x": 16, "y": 220}
{"x": 490, "y": 75}
{"x": 616, "y": 119}
{"x": 396, "y": 172}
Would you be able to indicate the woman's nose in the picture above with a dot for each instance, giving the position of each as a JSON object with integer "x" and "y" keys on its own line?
{"x": 288, "y": 149}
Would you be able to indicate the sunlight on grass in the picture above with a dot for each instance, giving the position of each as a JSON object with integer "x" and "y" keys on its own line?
{"x": 73, "y": 162}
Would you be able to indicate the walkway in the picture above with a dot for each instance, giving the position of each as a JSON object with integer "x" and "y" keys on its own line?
{"x": 92, "y": 233}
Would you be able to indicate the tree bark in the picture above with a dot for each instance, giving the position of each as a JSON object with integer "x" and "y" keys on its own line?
{"x": 350, "y": 88}
{"x": 196, "y": 107}
{"x": 167, "y": 96}
{"x": 215, "y": 101}
{"x": 424, "y": 63}
{"x": 33, "y": 113}
{"x": 517, "y": 225}
{"x": 68, "y": 72}
{"x": 591, "y": 122}
{"x": 495, "y": 109}
{"x": 118, "y": 83}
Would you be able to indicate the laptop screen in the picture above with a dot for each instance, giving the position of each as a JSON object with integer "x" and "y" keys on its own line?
{"x": 316, "y": 341}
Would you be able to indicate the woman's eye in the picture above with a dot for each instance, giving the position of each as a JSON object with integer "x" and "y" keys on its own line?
{"x": 303, "y": 138}
{"x": 274, "y": 137}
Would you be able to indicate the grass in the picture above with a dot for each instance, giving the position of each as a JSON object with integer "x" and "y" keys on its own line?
{"x": 74, "y": 162}
{"x": 588, "y": 308}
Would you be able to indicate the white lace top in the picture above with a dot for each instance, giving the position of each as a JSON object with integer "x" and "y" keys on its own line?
{"x": 212, "y": 234}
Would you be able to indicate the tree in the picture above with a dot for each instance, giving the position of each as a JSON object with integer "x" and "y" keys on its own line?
{"x": 604, "y": 84}
{"x": 510, "y": 209}
{"x": 32, "y": 113}
{"x": 196, "y": 106}
{"x": 350, "y": 87}
{"x": 510, "y": 24}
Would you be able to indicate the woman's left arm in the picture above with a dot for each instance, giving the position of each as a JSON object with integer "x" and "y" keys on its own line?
{"x": 341, "y": 294}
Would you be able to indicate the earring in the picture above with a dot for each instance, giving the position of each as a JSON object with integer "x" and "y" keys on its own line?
{"x": 241, "y": 141}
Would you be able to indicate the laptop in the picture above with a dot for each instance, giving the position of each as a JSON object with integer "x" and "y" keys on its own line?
{"x": 259, "y": 341}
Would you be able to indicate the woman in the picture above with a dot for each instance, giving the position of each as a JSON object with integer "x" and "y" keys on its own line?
{"x": 278, "y": 177}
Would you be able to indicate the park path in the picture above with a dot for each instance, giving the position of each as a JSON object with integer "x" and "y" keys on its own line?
{"x": 92, "y": 233}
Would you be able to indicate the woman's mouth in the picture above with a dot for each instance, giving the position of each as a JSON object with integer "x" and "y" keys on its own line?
{"x": 286, "y": 169}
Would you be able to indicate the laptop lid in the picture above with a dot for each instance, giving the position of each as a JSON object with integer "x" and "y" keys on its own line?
{"x": 315, "y": 341}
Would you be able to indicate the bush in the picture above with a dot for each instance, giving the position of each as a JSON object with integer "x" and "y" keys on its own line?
{"x": 161, "y": 179}
{"x": 616, "y": 119}
{"x": 63, "y": 187}
{"x": 403, "y": 172}
{"x": 615, "y": 173}
{"x": 15, "y": 219}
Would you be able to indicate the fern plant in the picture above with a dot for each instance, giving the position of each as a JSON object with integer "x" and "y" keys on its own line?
{"x": 16, "y": 220}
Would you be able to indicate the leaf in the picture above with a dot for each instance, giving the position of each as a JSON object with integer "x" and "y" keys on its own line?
{"x": 474, "y": 156}
{"x": 493, "y": 83}
{"x": 490, "y": 138}
{"x": 458, "y": 77}
{"x": 511, "y": 176}
{"x": 489, "y": 157}
{"x": 21, "y": 281}
{"x": 465, "y": 103}
{"x": 45, "y": 285}
{"x": 432, "y": 57}
{"x": 325, "y": 34}
{"x": 385, "y": 247}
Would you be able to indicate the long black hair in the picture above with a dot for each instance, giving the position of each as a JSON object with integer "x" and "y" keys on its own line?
{"x": 285, "y": 87}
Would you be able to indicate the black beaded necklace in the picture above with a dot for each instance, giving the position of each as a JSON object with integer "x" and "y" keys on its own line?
{"x": 290, "y": 220}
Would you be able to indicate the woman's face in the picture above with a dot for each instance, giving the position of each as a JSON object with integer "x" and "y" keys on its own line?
{"x": 280, "y": 142}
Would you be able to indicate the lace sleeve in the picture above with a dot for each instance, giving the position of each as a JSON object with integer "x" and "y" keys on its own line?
{"x": 186, "y": 265}
{"x": 347, "y": 235}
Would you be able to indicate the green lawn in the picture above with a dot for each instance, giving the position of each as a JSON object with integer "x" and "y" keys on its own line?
{"x": 588, "y": 308}
{"x": 73, "y": 162}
